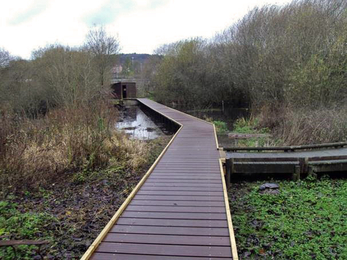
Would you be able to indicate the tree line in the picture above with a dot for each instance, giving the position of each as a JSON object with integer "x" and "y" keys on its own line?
{"x": 275, "y": 56}
{"x": 57, "y": 75}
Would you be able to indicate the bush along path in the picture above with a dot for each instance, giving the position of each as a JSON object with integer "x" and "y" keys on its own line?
{"x": 301, "y": 220}
{"x": 71, "y": 212}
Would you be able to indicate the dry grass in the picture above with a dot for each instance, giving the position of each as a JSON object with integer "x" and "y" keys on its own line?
{"x": 82, "y": 137}
{"x": 306, "y": 126}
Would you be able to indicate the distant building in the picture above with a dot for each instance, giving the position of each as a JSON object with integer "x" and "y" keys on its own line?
{"x": 124, "y": 89}
{"x": 117, "y": 69}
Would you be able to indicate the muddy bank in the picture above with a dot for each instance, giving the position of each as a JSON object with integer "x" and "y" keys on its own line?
{"x": 75, "y": 209}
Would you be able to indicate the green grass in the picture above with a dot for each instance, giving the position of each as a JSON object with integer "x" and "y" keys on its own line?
{"x": 17, "y": 225}
{"x": 250, "y": 126}
{"x": 221, "y": 127}
{"x": 306, "y": 220}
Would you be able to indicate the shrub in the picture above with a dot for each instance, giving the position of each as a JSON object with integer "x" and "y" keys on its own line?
{"x": 81, "y": 137}
{"x": 308, "y": 126}
{"x": 221, "y": 127}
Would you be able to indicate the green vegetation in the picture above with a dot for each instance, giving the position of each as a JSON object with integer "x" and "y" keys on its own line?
{"x": 221, "y": 127}
{"x": 21, "y": 225}
{"x": 306, "y": 220}
{"x": 251, "y": 126}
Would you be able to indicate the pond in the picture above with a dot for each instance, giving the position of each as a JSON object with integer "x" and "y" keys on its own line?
{"x": 139, "y": 124}
{"x": 229, "y": 116}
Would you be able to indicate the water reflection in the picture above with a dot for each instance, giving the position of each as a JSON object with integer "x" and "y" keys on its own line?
{"x": 134, "y": 122}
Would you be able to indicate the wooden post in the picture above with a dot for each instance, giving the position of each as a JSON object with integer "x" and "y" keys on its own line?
{"x": 303, "y": 163}
{"x": 228, "y": 167}
{"x": 296, "y": 174}
{"x": 311, "y": 171}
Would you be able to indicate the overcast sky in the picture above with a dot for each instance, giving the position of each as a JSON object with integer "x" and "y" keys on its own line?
{"x": 141, "y": 25}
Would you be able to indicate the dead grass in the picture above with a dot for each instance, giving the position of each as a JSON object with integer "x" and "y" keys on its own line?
{"x": 82, "y": 137}
{"x": 292, "y": 126}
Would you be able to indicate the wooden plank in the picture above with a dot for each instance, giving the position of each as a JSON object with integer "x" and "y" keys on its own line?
{"x": 292, "y": 158}
{"x": 174, "y": 215}
{"x": 193, "y": 185}
{"x": 184, "y": 178}
{"x": 117, "y": 256}
{"x": 193, "y": 174}
{"x": 192, "y": 189}
{"x": 172, "y": 222}
{"x": 327, "y": 158}
{"x": 166, "y": 250}
{"x": 178, "y": 198}
{"x": 167, "y": 239}
{"x": 182, "y": 193}
{"x": 329, "y": 167}
{"x": 175, "y": 203}
{"x": 157, "y": 208}
{"x": 186, "y": 171}
{"x": 206, "y": 182}
{"x": 264, "y": 167}
{"x": 267, "y": 159}
{"x": 287, "y": 148}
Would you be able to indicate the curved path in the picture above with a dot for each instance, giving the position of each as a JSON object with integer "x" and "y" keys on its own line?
{"x": 180, "y": 208}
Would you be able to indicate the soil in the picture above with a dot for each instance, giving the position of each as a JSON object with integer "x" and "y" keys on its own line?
{"x": 82, "y": 204}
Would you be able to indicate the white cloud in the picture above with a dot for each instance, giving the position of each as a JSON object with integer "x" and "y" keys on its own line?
{"x": 141, "y": 28}
{"x": 143, "y": 31}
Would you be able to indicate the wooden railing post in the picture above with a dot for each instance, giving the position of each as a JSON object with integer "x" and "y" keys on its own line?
{"x": 227, "y": 172}
{"x": 229, "y": 166}
{"x": 303, "y": 162}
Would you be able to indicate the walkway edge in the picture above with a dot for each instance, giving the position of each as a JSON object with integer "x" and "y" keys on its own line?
{"x": 226, "y": 202}
{"x": 227, "y": 208}
{"x": 116, "y": 216}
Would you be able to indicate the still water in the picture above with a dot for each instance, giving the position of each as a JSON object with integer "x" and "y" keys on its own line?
{"x": 138, "y": 125}
{"x": 141, "y": 124}
{"x": 228, "y": 115}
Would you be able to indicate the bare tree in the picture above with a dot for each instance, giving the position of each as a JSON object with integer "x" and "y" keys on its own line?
{"x": 4, "y": 57}
{"x": 104, "y": 49}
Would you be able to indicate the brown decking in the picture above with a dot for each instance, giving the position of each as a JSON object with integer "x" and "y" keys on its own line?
{"x": 180, "y": 210}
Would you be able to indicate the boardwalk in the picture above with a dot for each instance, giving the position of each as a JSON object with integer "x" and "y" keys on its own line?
{"x": 180, "y": 209}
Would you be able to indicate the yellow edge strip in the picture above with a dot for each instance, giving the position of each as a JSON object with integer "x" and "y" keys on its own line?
{"x": 116, "y": 216}
{"x": 227, "y": 207}
{"x": 230, "y": 223}
{"x": 215, "y": 136}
